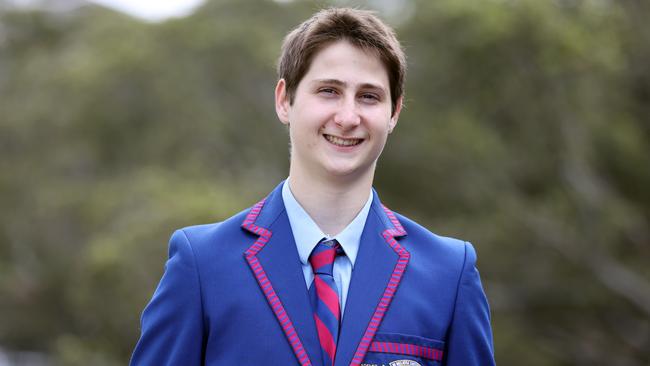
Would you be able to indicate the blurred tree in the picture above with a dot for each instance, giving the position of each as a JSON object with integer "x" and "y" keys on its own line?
{"x": 526, "y": 131}
{"x": 531, "y": 126}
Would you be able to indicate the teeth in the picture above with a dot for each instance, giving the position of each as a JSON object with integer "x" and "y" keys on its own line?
{"x": 342, "y": 142}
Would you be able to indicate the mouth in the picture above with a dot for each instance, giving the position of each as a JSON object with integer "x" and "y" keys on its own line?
{"x": 344, "y": 142}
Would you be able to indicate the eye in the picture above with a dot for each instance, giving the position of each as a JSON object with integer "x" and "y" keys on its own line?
{"x": 327, "y": 91}
{"x": 369, "y": 98}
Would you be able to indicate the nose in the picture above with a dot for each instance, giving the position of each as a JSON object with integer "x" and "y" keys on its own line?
{"x": 347, "y": 116}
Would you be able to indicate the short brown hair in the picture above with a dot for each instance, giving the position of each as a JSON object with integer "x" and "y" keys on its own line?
{"x": 362, "y": 28}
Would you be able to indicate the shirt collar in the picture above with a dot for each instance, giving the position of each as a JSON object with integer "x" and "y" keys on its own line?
{"x": 307, "y": 234}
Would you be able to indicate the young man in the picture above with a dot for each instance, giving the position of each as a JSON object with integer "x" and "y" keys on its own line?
{"x": 320, "y": 272}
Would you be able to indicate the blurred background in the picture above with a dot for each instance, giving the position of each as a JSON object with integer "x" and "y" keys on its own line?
{"x": 526, "y": 131}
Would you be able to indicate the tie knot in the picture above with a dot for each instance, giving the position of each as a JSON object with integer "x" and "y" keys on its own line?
{"x": 322, "y": 257}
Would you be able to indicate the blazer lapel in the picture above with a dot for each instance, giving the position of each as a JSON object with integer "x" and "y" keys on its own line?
{"x": 275, "y": 263}
{"x": 377, "y": 272}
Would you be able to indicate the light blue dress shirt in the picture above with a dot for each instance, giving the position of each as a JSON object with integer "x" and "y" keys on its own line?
{"x": 307, "y": 234}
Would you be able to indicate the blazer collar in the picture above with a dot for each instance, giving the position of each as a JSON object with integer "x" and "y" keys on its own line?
{"x": 274, "y": 261}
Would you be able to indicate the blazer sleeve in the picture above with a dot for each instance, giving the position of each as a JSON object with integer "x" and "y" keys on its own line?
{"x": 172, "y": 323}
{"x": 469, "y": 342}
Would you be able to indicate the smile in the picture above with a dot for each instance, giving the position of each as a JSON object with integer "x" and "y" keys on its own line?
{"x": 341, "y": 141}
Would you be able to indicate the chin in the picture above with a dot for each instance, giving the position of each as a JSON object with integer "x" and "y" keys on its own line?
{"x": 348, "y": 171}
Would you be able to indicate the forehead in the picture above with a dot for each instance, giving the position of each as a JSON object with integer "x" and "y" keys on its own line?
{"x": 344, "y": 61}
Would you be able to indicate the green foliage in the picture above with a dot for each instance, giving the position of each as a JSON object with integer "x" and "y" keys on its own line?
{"x": 526, "y": 131}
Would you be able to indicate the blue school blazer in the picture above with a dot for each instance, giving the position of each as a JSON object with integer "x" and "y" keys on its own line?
{"x": 233, "y": 293}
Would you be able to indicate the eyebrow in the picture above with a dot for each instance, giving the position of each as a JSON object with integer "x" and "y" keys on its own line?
{"x": 344, "y": 84}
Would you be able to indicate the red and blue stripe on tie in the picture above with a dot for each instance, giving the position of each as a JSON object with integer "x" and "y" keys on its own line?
{"x": 325, "y": 298}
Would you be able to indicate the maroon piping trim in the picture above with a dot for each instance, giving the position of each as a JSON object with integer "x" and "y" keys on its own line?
{"x": 265, "y": 284}
{"x": 389, "y": 235}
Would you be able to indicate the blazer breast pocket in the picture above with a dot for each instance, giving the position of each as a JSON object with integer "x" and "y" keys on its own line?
{"x": 393, "y": 349}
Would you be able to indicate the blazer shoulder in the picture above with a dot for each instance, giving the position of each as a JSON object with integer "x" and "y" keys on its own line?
{"x": 415, "y": 229}
{"x": 200, "y": 236}
{"x": 421, "y": 240}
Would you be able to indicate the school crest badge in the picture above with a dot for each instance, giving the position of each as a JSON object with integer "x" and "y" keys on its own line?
{"x": 404, "y": 363}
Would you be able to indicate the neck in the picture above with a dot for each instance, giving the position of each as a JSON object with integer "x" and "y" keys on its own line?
{"x": 331, "y": 203}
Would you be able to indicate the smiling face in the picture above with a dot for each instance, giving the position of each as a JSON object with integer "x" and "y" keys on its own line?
{"x": 340, "y": 117}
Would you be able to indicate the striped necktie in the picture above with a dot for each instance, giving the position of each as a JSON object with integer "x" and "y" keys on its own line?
{"x": 325, "y": 298}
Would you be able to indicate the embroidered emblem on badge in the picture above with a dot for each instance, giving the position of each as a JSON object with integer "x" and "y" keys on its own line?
{"x": 404, "y": 363}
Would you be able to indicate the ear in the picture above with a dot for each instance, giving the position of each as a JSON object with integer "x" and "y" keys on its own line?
{"x": 282, "y": 104}
{"x": 395, "y": 116}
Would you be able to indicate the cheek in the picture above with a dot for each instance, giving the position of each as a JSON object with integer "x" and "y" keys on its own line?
{"x": 301, "y": 136}
{"x": 381, "y": 136}
{"x": 382, "y": 126}
{"x": 310, "y": 144}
